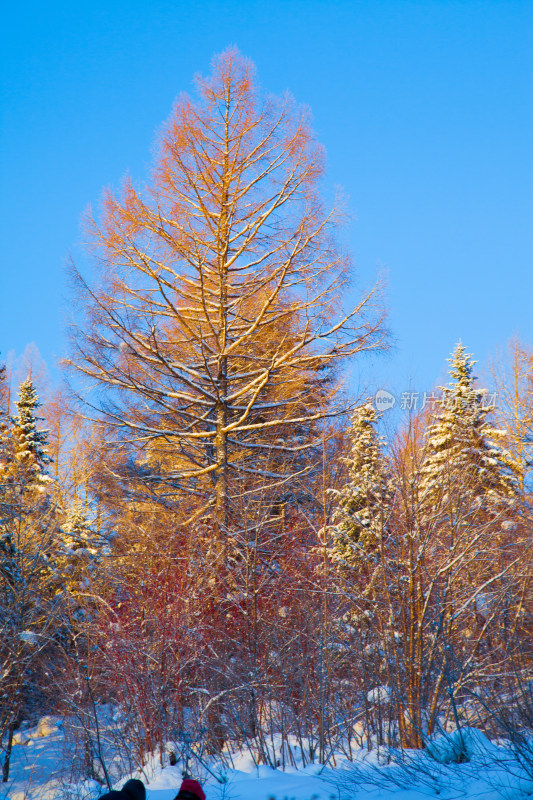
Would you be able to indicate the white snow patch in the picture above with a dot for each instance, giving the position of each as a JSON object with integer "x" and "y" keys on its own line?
{"x": 462, "y": 764}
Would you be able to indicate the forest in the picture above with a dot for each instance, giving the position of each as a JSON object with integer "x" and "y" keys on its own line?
{"x": 206, "y": 542}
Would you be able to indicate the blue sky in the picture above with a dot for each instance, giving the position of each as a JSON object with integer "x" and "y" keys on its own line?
{"x": 425, "y": 109}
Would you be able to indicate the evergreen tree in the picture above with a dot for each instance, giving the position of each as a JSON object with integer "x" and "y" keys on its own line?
{"x": 3, "y": 392}
{"x": 29, "y": 582}
{"x": 29, "y": 443}
{"x": 23, "y": 461}
{"x": 463, "y": 456}
{"x": 361, "y": 517}
{"x": 79, "y": 552}
{"x": 363, "y": 549}
{"x": 5, "y": 447}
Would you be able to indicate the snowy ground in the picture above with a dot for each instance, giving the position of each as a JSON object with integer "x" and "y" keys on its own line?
{"x": 491, "y": 773}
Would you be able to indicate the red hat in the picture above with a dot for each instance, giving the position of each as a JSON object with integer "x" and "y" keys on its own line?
{"x": 192, "y": 787}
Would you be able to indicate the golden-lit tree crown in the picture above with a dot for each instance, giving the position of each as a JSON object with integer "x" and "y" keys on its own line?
{"x": 217, "y": 327}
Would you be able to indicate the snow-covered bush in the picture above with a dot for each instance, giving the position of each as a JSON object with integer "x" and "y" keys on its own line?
{"x": 459, "y": 746}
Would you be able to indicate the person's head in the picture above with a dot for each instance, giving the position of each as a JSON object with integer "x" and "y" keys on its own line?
{"x": 190, "y": 790}
{"x": 134, "y": 789}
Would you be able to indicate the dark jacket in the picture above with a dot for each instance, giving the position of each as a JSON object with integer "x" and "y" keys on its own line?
{"x": 132, "y": 790}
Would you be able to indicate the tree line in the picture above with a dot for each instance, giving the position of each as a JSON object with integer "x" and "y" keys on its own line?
{"x": 208, "y": 540}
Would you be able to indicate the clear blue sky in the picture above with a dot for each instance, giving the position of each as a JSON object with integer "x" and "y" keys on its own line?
{"x": 425, "y": 109}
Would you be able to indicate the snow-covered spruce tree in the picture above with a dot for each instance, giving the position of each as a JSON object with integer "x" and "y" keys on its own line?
{"x": 362, "y": 505}
{"x": 30, "y": 458}
{"x": 5, "y": 447}
{"x": 29, "y": 585}
{"x": 79, "y": 553}
{"x": 462, "y": 451}
{"x": 362, "y": 549}
{"x": 3, "y": 392}
{"x": 24, "y": 481}
{"x": 469, "y": 517}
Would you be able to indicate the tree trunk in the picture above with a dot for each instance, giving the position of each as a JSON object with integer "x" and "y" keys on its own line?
{"x": 7, "y": 759}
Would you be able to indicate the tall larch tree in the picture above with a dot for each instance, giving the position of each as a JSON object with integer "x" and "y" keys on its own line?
{"x": 215, "y": 332}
